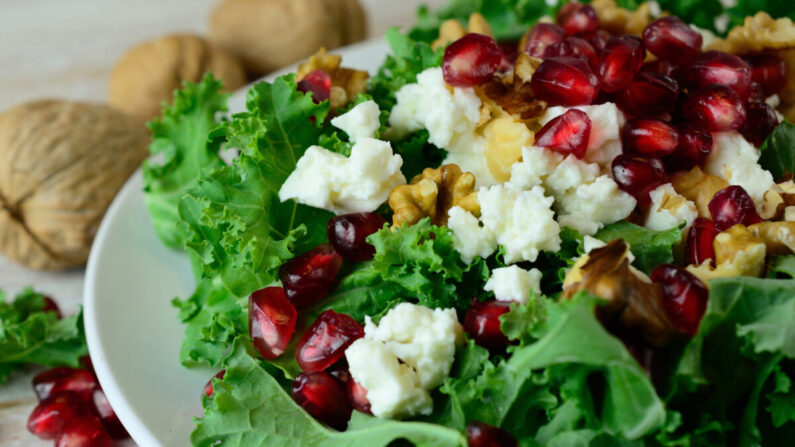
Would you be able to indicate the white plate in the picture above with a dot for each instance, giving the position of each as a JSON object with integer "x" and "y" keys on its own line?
{"x": 132, "y": 330}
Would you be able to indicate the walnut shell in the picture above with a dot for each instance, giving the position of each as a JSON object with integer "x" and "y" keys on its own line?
{"x": 270, "y": 34}
{"x": 146, "y": 75}
{"x": 61, "y": 164}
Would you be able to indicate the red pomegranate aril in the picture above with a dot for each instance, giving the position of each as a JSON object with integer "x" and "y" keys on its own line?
{"x": 323, "y": 397}
{"x": 83, "y": 432}
{"x": 670, "y": 38}
{"x": 51, "y": 306}
{"x": 659, "y": 65}
{"x": 318, "y": 83}
{"x": 567, "y": 133}
{"x": 482, "y": 324}
{"x": 695, "y": 145}
{"x": 51, "y": 414}
{"x": 307, "y": 278}
{"x": 638, "y": 175}
{"x": 107, "y": 416}
{"x": 684, "y": 296}
{"x": 577, "y": 18}
{"x": 208, "y": 387}
{"x": 62, "y": 378}
{"x": 271, "y": 321}
{"x": 731, "y": 206}
{"x": 649, "y": 94}
{"x": 618, "y": 63}
{"x": 715, "y": 67}
{"x": 471, "y": 60}
{"x": 574, "y": 47}
{"x": 715, "y": 108}
{"x": 700, "y": 242}
{"x": 769, "y": 71}
{"x": 650, "y": 137}
{"x": 480, "y": 434}
{"x": 598, "y": 39}
{"x": 754, "y": 93}
{"x": 760, "y": 121}
{"x": 348, "y": 234}
{"x": 565, "y": 81}
{"x": 541, "y": 36}
{"x": 357, "y": 395}
{"x": 88, "y": 365}
{"x": 326, "y": 340}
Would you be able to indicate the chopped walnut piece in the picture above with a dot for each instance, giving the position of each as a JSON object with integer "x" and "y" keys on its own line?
{"x": 776, "y": 200}
{"x": 632, "y": 301}
{"x": 779, "y": 237}
{"x": 514, "y": 97}
{"x": 505, "y": 138}
{"x": 620, "y": 21}
{"x": 346, "y": 83}
{"x": 451, "y": 30}
{"x": 738, "y": 252}
{"x": 525, "y": 66}
{"x": 479, "y": 24}
{"x": 789, "y": 214}
{"x": 698, "y": 187}
{"x": 432, "y": 194}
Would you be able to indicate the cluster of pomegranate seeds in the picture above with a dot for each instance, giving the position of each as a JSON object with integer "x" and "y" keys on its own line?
{"x": 565, "y": 81}
{"x": 731, "y": 206}
{"x": 695, "y": 145}
{"x": 699, "y": 245}
{"x": 318, "y": 83}
{"x": 324, "y": 397}
{"x": 307, "y": 278}
{"x": 480, "y": 434}
{"x": 567, "y": 133}
{"x": 271, "y": 321}
{"x": 638, "y": 175}
{"x": 348, "y": 234}
{"x": 651, "y": 137}
{"x": 52, "y": 413}
{"x": 326, "y": 340}
{"x": 208, "y": 387}
{"x": 542, "y": 36}
{"x": 577, "y": 18}
{"x": 482, "y": 324}
{"x": 684, "y": 296}
{"x": 760, "y": 122}
{"x": 716, "y": 108}
{"x": 63, "y": 378}
{"x": 471, "y": 60}
{"x": 671, "y": 39}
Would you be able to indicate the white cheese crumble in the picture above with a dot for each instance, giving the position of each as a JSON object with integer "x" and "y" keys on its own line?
{"x": 359, "y": 122}
{"x": 514, "y": 283}
{"x": 360, "y": 183}
{"x": 400, "y": 359}
{"x": 469, "y": 238}
{"x": 591, "y": 243}
{"x": 669, "y": 209}
{"x": 735, "y": 159}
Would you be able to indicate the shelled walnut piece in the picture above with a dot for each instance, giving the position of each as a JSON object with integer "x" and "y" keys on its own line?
{"x": 61, "y": 164}
{"x": 698, "y": 187}
{"x": 432, "y": 194}
{"x": 451, "y": 30}
{"x": 777, "y": 200}
{"x": 738, "y": 252}
{"x": 346, "y": 83}
{"x": 619, "y": 21}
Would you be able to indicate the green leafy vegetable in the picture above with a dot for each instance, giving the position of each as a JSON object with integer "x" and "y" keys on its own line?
{"x": 651, "y": 248}
{"x": 781, "y": 266}
{"x": 778, "y": 151}
{"x": 418, "y": 154}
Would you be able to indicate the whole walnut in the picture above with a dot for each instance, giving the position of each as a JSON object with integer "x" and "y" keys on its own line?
{"x": 61, "y": 164}
{"x": 147, "y": 74}
{"x": 270, "y": 34}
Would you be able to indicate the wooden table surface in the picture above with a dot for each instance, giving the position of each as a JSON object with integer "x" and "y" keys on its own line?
{"x": 65, "y": 49}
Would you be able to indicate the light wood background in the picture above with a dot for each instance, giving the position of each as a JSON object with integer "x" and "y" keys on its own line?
{"x": 65, "y": 49}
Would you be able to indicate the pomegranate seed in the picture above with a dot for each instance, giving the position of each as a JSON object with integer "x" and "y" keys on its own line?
{"x": 649, "y": 94}
{"x": 715, "y": 67}
{"x": 760, "y": 122}
{"x": 576, "y": 18}
{"x": 685, "y": 296}
{"x": 670, "y": 38}
{"x": 482, "y": 323}
{"x": 659, "y": 65}
{"x": 638, "y": 175}
{"x": 541, "y": 36}
{"x": 83, "y": 432}
{"x": 598, "y": 39}
{"x": 568, "y": 133}
{"x": 88, "y": 365}
{"x": 485, "y": 435}
{"x": 650, "y": 137}
{"x": 576, "y": 47}
{"x": 754, "y": 93}
{"x": 695, "y": 145}
{"x": 357, "y": 395}
{"x": 307, "y": 278}
{"x": 326, "y": 340}
{"x": 107, "y": 416}
{"x": 50, "y": 415}
{"x": 208, "y": 387}
{"x": 51, "y": 306}
{"x": 509, "y": 51}
{"x": 471, "y": 60}
{"x": 339, "y": 371}
{"x": 618, "y": 63}
{"x": 318, "y": 83}
{"x": 322, "y": 397}
{"x": 715, "y": 108}
{"x": 565, "y": 81}
{"x": 348, "y": 234}
{"x": 769, "y": 71}
{"x": 731, "y": 206}
{"x": 271, "y": 321}
{"x": 51, "y": 381}
{"x": 699, "y": 246}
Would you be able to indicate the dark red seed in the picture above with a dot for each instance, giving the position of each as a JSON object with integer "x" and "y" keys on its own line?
{"x": 684, "y": 296}
{"x": 700, "y": 242}
{"x": 51, "y": 381}
{"x": 715, "y": 67}
{"x": 577, "y": 18}
{"x": 618, "y": 63}
{"x": 567, "y": 133}
{"x": 650, "y": 137}
{"x": 541, "y": 36}
{"x": 482, "y": 323}
{"x": 659, "y": 65}
{"x": 208, "y": 387}
{"x": 307, "y": 278}
{"x": 318, "y": 83}
{"x": 731, "y": 206}
{"x": 769, "y": 71}
{"x": 51, "y": 306}
{"x": 598, "y": 39}
{"x": 649, "y": 94}
{"x": 471, "y": 60}
{"x": 760, "y": 122}
{"x": 88, "y": 365}
{"x": 480, "y": 434}
{"x": 348, "y": 234}
{"x": 565, "y": 81}
{"x": 340, "y": 373}
{"x": 670, "y": 38}
{"x": 51, "y": 414}
{"x": 83, "y": 432}
{"x": 754, "y": 93}
{"x": 108, "y": 417}
{"x": 574, "y": 47}
{"x": 326, "y": 340}
{"x": 271, "y": 321}
{"x": 638, "y": 175}
{"x": 322, "y": 397}
{"x": 357, "y": 395}
{"x": 695, "y": 145}
{"x": 715, "y": 108}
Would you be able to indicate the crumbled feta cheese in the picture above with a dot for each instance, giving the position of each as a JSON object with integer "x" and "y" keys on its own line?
{"x": 469, "y": 238}
{"x": 669, "y": 209}
{"x": 360, "y": 122}
{"x": 360, "y": 183}
{"x": 606, "y": 122}
{"x": 399, "y": 360}
{"x": 593, "y": 205}
{"x": 773, "y": 101}
{"x": 522, "y": 220}
{"x": 473, "y": 160}
{"x": 735, "y": 159}
{"x": 536, "y": 165}
{"x": 514, "y": 283}
{"x": 570, "y": 174}
{"x": 604, "y": 155}
{"x": 590, "y": 243}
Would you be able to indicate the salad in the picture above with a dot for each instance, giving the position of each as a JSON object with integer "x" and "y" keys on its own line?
{"x": 534, "y": 225}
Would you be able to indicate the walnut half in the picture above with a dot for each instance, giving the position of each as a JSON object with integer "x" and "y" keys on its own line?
{"x": 432, "y": 194}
